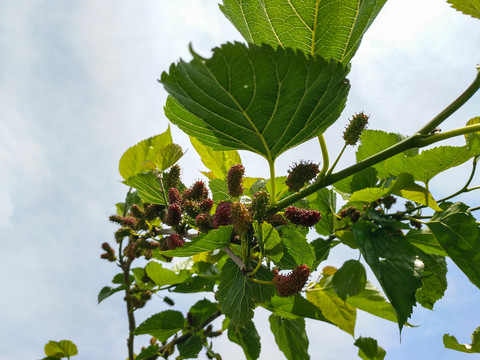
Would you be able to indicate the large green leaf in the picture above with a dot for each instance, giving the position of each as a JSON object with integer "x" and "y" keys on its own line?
{"x": 247, "y": 337}
{"x": 269, "y": 240}
{"x": 215, "y": 239}
{"x": 290, "y": 336}
{"x": 146, "y": 150}
{"x": 255, "y": 98}
{"x": 202, "y": 311}
{"x": 425, "y": 241}
{"x": 161, "y": 325}
{"x": 468, "y": 7}
{"x": 218, "y": 162}
{"x": 337, "y": 311}
{"x": 330, "y": 28}
{"x": 394, "y": 262}
{"x": 458, "y": 233}
{"x": 350, "y": 279}
{"x": 60, "y": 349}
{"x": 237, "y": 294}
{"x": 190, "y": 348}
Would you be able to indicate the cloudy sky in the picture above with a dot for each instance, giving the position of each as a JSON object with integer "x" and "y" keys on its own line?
{"x": 78, "y": 86}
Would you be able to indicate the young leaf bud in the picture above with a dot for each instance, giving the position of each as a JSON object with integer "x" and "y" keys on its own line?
{"x": 235, "y": 179}
{"x": 301, "y": 174}
{"x": 354, "y": 129}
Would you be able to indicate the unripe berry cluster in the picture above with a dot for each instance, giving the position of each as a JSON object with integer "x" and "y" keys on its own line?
{"x": 355, "y": 128}
{"x": 234, "y": 180}
{"x": 301, "y": 174}
{"x": 293, "y": 283}
{"x": 302, "y": 217}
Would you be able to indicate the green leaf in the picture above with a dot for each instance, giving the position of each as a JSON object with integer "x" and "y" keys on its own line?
{"x": 366, "y": 178}
{"x": 162, "y": 276}
{"x": 247, "y": 337}
{"x": 108, "y": 291}
{"x": 325, "y": 201}
{"x": 168, "y": 156}
{"x": 146, "y": 150}
{"x": 425, "y": 241}
{"x": 394, "y": 262}
{"x": 195, "y": 284}
{"x": 161, "y": 325}
{"x": 237, "y": 293}
{"x": 296, "y": 249}
{"x": 322, "y": 248}
{"x": 219, "y": 190}
{"x": 269, "y": 241}
{"x": 202, "y": 311}
{"x": 337, "y": 311}
{"x": 330, "y": 28}
{"x": 451, "y": 342}
{"x": 290, "y": 336}
{"x": 266, "y": 101}
{"x": 371, "y": 300}
{"x": 368, "y": 349}
{"x": 60, "y": 349}
{"x": 215, "y": 239}
{"x": 148, "y": 352}
{"x": 190, "y": 348}
{"x": 148, "y": 187}
{"x": 293, "y": 307}
{"x": 458, "y": 233}
{"x": 218, "y": 162}
{"x": 350, "y": 279}
{"x": 468, "y": 7}
{"x": 434, "y": 280}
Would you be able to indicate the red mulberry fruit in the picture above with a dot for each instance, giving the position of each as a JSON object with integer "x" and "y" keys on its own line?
{"x": 301, "y": 174}
{"x": 223, "y": 215}
{"x": 302, "y": 217}
{"x": 234, "y": 180}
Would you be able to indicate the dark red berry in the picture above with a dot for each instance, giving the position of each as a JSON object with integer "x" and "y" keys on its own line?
{"x": 174, "y": 241}
{"x": 173, "y": 215}
{"x": 204, "y": 222}
{"x": 302, "y": 217}
{"x": 174, "y": 196}
{"x": 293, "y": 283}
{"x": 206, "y": 205}
{"x": 223, "y": 215}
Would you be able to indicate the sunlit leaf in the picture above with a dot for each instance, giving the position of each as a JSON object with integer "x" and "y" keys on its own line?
{"x": 468, "y": 7}
{"x": 368, "y": 349}
{"x": 434, "y": 280}
{"x": 451, "y": 342}
{"x": 168, "y": 156}
{"x": 148, "y": 187}
{"x": 350, "y": 279}
{"x": 162, "y": 276}
{"x": 219, "y": 162}
{"x": 146, "y": 150}
{"x": 63, "y": 348}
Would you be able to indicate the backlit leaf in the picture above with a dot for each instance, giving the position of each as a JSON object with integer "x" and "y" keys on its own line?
{"x": 162, "y": 325}
{"x": 459, "y": 235}
{"x": 468, "y": 7}
{"x": 290, "y": 336}
{"x": 247, "y": 337}
{"x": 148, "y": 187}
{"x": 168, "y": 156}
{"x": 146, "y": 150}
{"x": 162, "y": 276}
{"x": 255, "y": 98}
{"x": 451, "y": 342}
{"x": 368, "y": 349}
{"x": 330, "y": 28}
{"x": 63, "y": 348}
{"x": 434, "y": 280}
{"x": 350, "y": 279}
